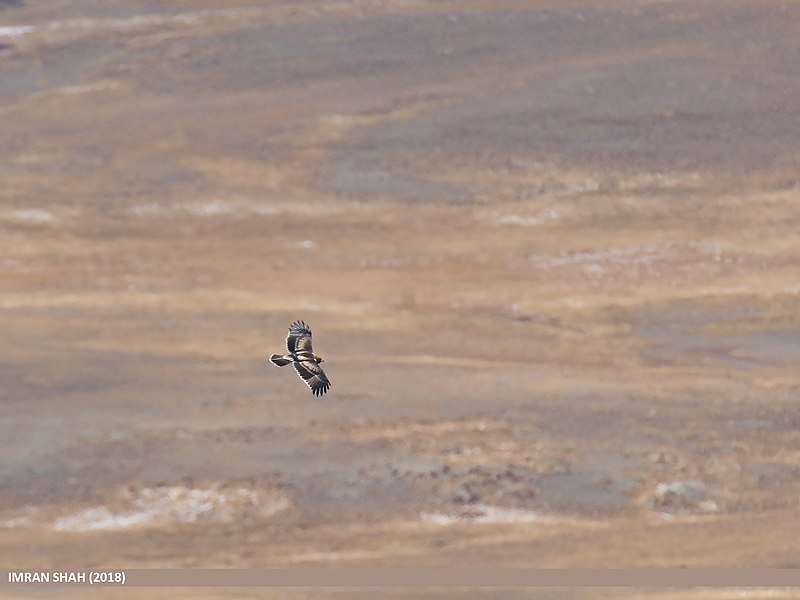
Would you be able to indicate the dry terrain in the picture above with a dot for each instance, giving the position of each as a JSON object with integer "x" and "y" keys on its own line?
{"x": 550, "y": 251}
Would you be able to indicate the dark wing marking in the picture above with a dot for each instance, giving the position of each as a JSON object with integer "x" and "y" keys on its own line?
{"x": 313, "y": 375}
{"x": 299, "y": 337}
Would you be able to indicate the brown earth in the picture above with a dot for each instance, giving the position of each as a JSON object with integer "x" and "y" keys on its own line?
{"x": 549, "y": 250}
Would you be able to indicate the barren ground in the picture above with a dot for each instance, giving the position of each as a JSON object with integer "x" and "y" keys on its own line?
{"x": 550, "y": 251}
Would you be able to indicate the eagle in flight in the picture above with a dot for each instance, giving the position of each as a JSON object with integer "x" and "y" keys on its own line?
{"x": 302, "y": 358}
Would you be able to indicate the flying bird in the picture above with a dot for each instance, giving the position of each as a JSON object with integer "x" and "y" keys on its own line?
{"x": 301, "y": 356}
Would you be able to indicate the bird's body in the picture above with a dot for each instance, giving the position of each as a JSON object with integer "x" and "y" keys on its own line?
{"x": 301, "y": 356}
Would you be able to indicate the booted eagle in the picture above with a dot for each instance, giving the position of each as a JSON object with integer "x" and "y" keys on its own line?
{"x": 303, "y": 359}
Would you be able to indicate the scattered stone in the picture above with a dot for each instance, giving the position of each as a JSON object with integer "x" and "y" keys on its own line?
{"x": 464, "y": 495}
{"x": 682, "y": 498}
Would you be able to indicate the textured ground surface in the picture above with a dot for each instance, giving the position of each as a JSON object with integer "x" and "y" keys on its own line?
{"x": 551, "y": 255}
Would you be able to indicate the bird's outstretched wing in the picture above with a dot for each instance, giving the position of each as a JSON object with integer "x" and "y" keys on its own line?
{"x": 313, "y": 375}
{"x": 299, "y": 338}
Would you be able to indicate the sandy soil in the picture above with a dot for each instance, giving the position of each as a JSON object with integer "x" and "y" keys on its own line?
{"x": 550, "y": 253}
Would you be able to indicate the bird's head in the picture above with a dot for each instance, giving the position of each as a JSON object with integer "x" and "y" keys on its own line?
{"x": 319, "y": 359}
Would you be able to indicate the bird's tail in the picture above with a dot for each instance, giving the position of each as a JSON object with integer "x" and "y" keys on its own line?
{"x": 279, "y": 361}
